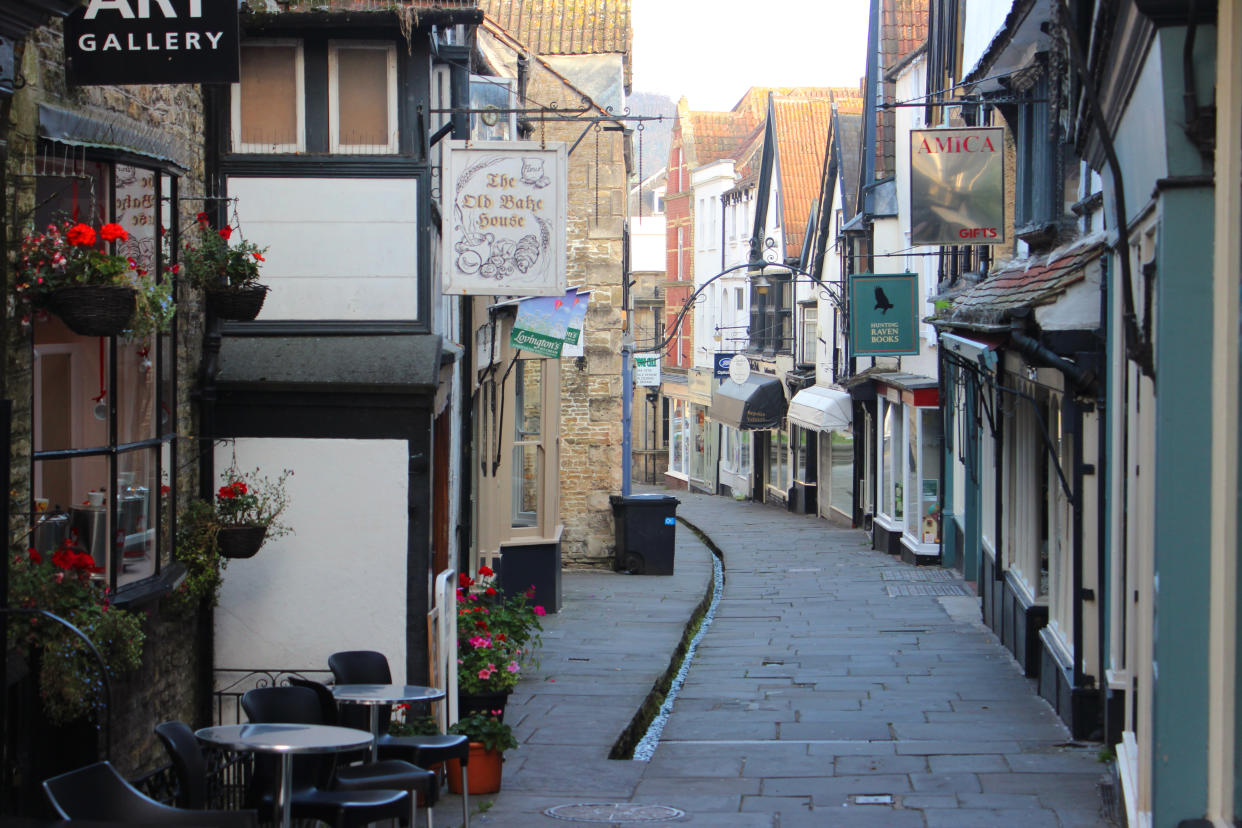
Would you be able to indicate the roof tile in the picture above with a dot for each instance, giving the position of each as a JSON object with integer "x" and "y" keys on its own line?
{"x": 565, "y": 27}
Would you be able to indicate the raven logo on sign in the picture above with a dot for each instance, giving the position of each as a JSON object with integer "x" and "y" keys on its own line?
{"x": 882, "y": 303}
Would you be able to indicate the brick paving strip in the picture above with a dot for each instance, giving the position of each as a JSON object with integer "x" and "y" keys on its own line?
{"x": 819, "y": 696}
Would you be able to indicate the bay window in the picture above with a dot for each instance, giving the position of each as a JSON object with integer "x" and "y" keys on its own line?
{"x": 103, "y": 408}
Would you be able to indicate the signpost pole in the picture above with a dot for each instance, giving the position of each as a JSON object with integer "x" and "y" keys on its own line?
{"x": 627, "y": 411}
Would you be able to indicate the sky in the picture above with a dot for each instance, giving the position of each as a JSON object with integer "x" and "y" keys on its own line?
{"x": 712, "y": 51}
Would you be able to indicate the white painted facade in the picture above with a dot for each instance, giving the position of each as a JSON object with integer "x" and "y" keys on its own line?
{"x": 337, "y": 248}
{"x": 309, "y": 594}
{"x": 708, "y": 184}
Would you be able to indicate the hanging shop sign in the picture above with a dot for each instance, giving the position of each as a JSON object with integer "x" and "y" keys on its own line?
{"x": 957, "y": 186}
{"x": 152, "y": 42}
{"x": 720, "y": 364}
{"x": 541, "y": 324}
{"x": 574, "y": 346}
{"x": 647, "y": 371}
{"x": 504, "y": 222}
{"x": 884, "y": 314}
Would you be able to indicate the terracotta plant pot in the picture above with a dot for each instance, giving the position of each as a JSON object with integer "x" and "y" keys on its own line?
{"x": 482, "y": 771}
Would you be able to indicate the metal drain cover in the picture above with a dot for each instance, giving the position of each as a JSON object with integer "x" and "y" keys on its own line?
{"x": 613, "y": 812}
{"x": 895, "y": 590}
{"x": 920, "y": 574}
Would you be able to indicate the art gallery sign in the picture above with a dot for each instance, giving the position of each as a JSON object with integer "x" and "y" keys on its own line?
{"x": 152, "y": 42}
{"x": 504, "y": 219}
{"x": 957, "y": 186}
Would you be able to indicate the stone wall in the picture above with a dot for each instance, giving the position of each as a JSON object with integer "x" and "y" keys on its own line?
{"x": 590, "y": 432}
{"x": 168, "y": 683}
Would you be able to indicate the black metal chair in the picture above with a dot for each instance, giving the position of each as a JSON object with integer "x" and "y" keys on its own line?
{"x": 357, "y": 771}
{"x": 188, "y": 763}
{"x": 371, "y": 667}
{"x": 98, "y": 792}
{"x": 304, "y": 705}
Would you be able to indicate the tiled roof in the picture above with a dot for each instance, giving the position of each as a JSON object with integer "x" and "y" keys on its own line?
{"x": 565, "y": 27}
{"x": 716, "y": 135}
{"x": 1025, "y": 283}
{"x": 903, "y": 29}
{"x": 801, "y": 138}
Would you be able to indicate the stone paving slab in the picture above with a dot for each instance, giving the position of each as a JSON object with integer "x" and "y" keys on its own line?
{"x": 812, "y": 686}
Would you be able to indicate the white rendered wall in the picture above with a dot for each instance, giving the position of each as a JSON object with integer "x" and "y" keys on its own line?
{"x": 340, "y": 248}
{"x": 984, "y": 19}
{"x": 338, "y": 582}
{"x": 709, "y": 183}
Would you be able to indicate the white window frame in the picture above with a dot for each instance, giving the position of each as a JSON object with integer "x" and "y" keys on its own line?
{"x": 299, "y": 104}
{"x": 334, "y": 98}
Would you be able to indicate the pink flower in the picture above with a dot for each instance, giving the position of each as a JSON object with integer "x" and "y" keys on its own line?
{"x": 484, "y": 674}
{"x": 540, "y": 611}
{"x": 513, "y": 667}
{"x": 480, "y": 642}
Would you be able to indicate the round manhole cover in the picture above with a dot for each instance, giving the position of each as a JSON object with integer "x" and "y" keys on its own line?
{"x": 613, "y": 812}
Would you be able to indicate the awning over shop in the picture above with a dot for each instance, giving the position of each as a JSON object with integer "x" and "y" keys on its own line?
{"x": 757, "y": 404}
{"x": 821, "y": 409}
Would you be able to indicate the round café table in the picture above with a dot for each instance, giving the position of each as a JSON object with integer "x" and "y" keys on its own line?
{"x": 285, "y": 740}
{"x": 375, "y": 695}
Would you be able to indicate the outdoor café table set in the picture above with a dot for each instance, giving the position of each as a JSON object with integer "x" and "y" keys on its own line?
{"x": 288, "y": 740}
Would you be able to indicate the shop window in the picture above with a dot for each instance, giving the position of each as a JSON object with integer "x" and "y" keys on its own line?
{"x": 362, "y": 97}
{"x": 267, "y": 102}
{"x": 698, "y": 444}
{"x": 679, "y": 439}
{"x": 841, "y": 491}
{"x": 778, "y": 459}
{"x": 103, "y": 429}
{"x": 810, "y": 333}
{"x": 528, "y": 456}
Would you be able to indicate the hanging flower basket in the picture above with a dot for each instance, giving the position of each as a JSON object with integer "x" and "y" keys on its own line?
{"x": 94, "y": 310}
{"x": 240, "y": 541}
{"x": 240, "y": 304}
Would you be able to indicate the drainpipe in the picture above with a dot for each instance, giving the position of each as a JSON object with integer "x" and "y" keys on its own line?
{"x": 1101, "y": 481}
{"x": 1073, "y": 408}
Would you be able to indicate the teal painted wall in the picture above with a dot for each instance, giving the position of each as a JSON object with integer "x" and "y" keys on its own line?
{"x": 1182, "y": 532}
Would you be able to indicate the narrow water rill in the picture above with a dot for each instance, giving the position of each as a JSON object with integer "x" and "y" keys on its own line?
{"x": 646, "y": 746}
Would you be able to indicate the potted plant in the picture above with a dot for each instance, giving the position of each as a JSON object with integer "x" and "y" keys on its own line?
{"x": 226, "y": 269}
{"x": 496, "y": 635}
{"x": 70, "y": 686}
{"x": 69, "y": 270}
{"x": 489, "y": 738}
{"x": 247, "y": 508}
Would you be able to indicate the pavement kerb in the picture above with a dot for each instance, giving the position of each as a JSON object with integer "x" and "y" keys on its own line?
{"x": 623, "y": 748}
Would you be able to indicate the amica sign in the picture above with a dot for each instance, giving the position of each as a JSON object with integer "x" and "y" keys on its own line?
{"x": 152, "y": 42}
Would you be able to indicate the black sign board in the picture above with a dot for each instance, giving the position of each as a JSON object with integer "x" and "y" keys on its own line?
{"x": 152, "y": 41}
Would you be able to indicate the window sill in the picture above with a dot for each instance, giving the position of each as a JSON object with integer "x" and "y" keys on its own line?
{"x": 150, "y": 590}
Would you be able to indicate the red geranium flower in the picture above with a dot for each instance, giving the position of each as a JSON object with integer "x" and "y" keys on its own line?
{"x": 34, "y": 555}
{"x": 225, "y": 232}
{"x": 490, "y": 591}
{"x": 113, "y": 232}
{"x": 81, "y": 235}
{"x": 202, "y": 218}
{"x": 258, "y": 256}
{"x": 486, "y": 572}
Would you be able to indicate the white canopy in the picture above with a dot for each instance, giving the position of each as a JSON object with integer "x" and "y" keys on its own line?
{"x": 821, "y": 409}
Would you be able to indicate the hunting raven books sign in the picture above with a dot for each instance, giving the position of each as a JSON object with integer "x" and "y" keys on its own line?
{"x": 884, "y": 314}
{"x": 152, "y": 42}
